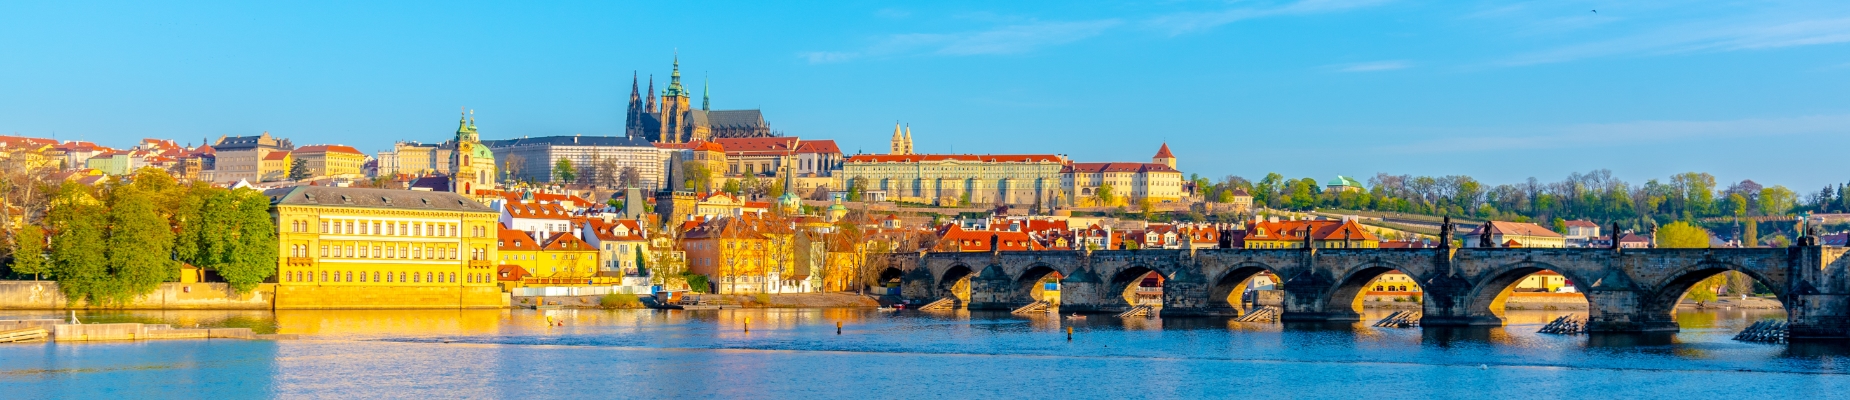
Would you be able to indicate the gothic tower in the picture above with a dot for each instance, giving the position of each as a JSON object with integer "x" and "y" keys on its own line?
{"x": 909, "y": 149}
{"x": 706, "y": 95}
{"x": 674, "y": 107}
{"x": 649, "y": 106}
{"x": 633, "y": 125}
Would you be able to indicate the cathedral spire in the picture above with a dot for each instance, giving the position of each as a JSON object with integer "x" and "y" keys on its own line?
{"x": 650, "y": 106}
{"x": 908, "y": 138}
{"x": 674, "y": 81}
{"x": 706, "y": 93}
{"x": 632, "y": 121}
{"x": 899, "y": 142}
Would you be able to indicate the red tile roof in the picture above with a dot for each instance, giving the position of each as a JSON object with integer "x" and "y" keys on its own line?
{"x": 758, "y": 146}
{"x": 276, "y": 155}
{"x": 328, "y": 148}
{"x": 537, "y": 210}
{"x": 566, "y": 241}
{"x": 912, "y": 158}
{"x": 1094, "y": 168}
{"x": 818, "y": 146}
{"x": 1320, "y": 230}
{"x": 1514, "y": 228}
{"x": 1164, "y": 152}
{"x": 957, "y": 239}
{"x": 512, "y": 273}
{"x": 515, "y": 240}
{"x": 1581, "y": 223}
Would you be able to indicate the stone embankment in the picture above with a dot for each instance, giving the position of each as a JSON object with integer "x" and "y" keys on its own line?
{"x": 44, "y": 295}
{"x": 790, "y": 300}
{"x": 60, "y": 331}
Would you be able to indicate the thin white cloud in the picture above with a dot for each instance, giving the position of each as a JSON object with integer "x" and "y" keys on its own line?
{"x": 1628, "y": 133}
{"x": 1018, "y": 38}
{"x": 1180, "y": 23}
{"x": 1705, "y": 36}
{"x": 1374, "y": 66}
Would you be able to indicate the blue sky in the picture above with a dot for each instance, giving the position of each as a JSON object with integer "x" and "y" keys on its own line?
{"x": 1497, "y": 90}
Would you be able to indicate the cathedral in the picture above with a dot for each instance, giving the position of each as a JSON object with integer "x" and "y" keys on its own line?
{"x": 676, "y": 121}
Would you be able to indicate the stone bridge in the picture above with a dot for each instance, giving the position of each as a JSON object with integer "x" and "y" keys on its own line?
{"x": 1627, "y": 290}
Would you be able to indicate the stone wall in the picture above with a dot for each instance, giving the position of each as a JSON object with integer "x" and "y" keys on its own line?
{"x": 44, "y": 295}
{"x": 388, "y": 297}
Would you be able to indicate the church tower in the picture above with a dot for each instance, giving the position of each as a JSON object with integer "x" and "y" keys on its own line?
{"x": 1163, "y": 157}
{"x": 674, "y": 107}
{"x": 909, "y": 149}
{"x": 472, "y": 165}
{"x": 899, "y": 142}
{"x": 632, "y": 126}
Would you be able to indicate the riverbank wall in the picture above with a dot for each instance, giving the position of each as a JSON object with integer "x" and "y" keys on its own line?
{"x": 45, "y": 295}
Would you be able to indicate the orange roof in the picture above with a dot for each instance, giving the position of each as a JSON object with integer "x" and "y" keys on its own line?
{"x": 699, "y": 145}
{"x": 1116, "y": 167}
{"x": 1320, "y": 230}
{"x": 1581, "y": 223}
{"x": 513, "y": 273}
{"x": 22, "y": 141}
{"x": 515, "y": 240}
{"x": 328, "y": 148}
{"x": 1514, "y": 228}
{"x": 912, "y": 158}
{"x": 629, "y": 231}
{"x": 1164, "y": 152}
{"x": 818, "y": 146}
{"x": 751, "y": 146}
{"x": 566, "y": 241}
{"x": 961, "y": 240}
{"x": 537, "y": 210}
{"x": 276, "y": 156}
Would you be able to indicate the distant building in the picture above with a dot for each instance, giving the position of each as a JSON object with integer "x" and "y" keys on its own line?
{"x": 1580, "y": 232}
{"x": 472, "y": 164}
{"x": 241, "y": 157}
{"x": 678, "y": 122}
{"x": 275, "y": 166}
{"x": 1345, "y": 184}
{"x": 1275, "y": 234}
{"x": 594, "y": 158}
{"x": 1521, "y": 234}
{"x": 1157, "y": 181}
{"x": 331, "y": 160}
{"x": 415, "y": 158}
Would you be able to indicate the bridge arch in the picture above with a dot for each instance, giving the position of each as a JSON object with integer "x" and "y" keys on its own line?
{"x": 1663, "y": 299}
{"x": 955, "y": 282}
{"x": 1226, "y": 289}
{"x": 1025, "y": 283}
{"x": 1485, "y": 303}
{"x": 1343, "y": 300}
{"x": 1128, "y": 284}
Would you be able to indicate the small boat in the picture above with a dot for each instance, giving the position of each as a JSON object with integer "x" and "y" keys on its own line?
{"x": 886, "y": 309}
{"x": 1075, "y": 317}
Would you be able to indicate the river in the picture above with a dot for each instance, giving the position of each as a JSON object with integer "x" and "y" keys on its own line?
{"x": 796, "y": 353}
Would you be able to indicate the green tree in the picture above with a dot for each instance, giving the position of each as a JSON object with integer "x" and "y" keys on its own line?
{"x": 1737, "y": 205}
{"x": 1776, "y": 200}
{"x": 1750, "y": 234}
{"x": 1560, "y": 226}
{"x": 732, "y": 187}
{"x": 641, "y": 263}
{"x": 78, "y": 247}
{"x": 1104, "y": 196}
{"x": 1704, "y": 291}
{"x": 298, "y": 170}
{"x": 699, "y": 178}
{"x": 1147, "y": 208}
{"x": 234, "y": 235}
{"x": 1682, "y": 235}
{"x": 29, "y": 252}
{"x": 564, "y": 171}
{"x": 140, "y": 251}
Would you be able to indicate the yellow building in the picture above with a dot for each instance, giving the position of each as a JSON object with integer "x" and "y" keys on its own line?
{"x": 275, "y": 166}
{"x": 562, "y": 259}
{"x": 382, "y": 248}
{"x": 331, "y": 160}
{"x": 1130, "y": 183}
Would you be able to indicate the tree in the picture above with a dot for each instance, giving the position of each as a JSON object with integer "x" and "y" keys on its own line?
{"x": 732, "y": 187}
{"x": 1682, "y": 235}
{"x": 630, "y": 177}
{"x": 1104, "y": 196}
{"x": 78, "y": 246}
{"x": 1704, "y": 291}
{"x": 1776, "y": 200}
{"x": 563, "y": 171}
{"x": 1750, "y": 234}
{"x": 232, "y": 235}
{"x": 140, "y": 245}
{"x": 1147, "y": 208}
{"x": 699, "y": 177}
{"x": 857, "y": 188}
{"x": 29, "y": 251}
{"x": 298, "y": 170}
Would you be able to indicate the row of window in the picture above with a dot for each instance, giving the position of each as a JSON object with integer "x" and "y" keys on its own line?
{"x": 390, "y": 250}
{"x": 387, "y": 228}
{"x": 383, "y": 277}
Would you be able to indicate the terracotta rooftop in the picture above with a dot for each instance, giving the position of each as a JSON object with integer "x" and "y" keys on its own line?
{"x": 912, "y": 158}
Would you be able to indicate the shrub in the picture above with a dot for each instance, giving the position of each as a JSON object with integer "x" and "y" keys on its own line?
{"x": 762, "y": 298}
{"x": 615, "y": 300}
{"x": 696, "y": 283}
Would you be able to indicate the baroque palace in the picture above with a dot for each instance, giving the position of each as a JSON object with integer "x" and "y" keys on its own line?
{"x": 339, "y": 247}
{"x": 1017, "y": 179}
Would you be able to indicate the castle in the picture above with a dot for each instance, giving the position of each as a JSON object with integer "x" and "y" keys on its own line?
{"x": 678, "y": 122}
